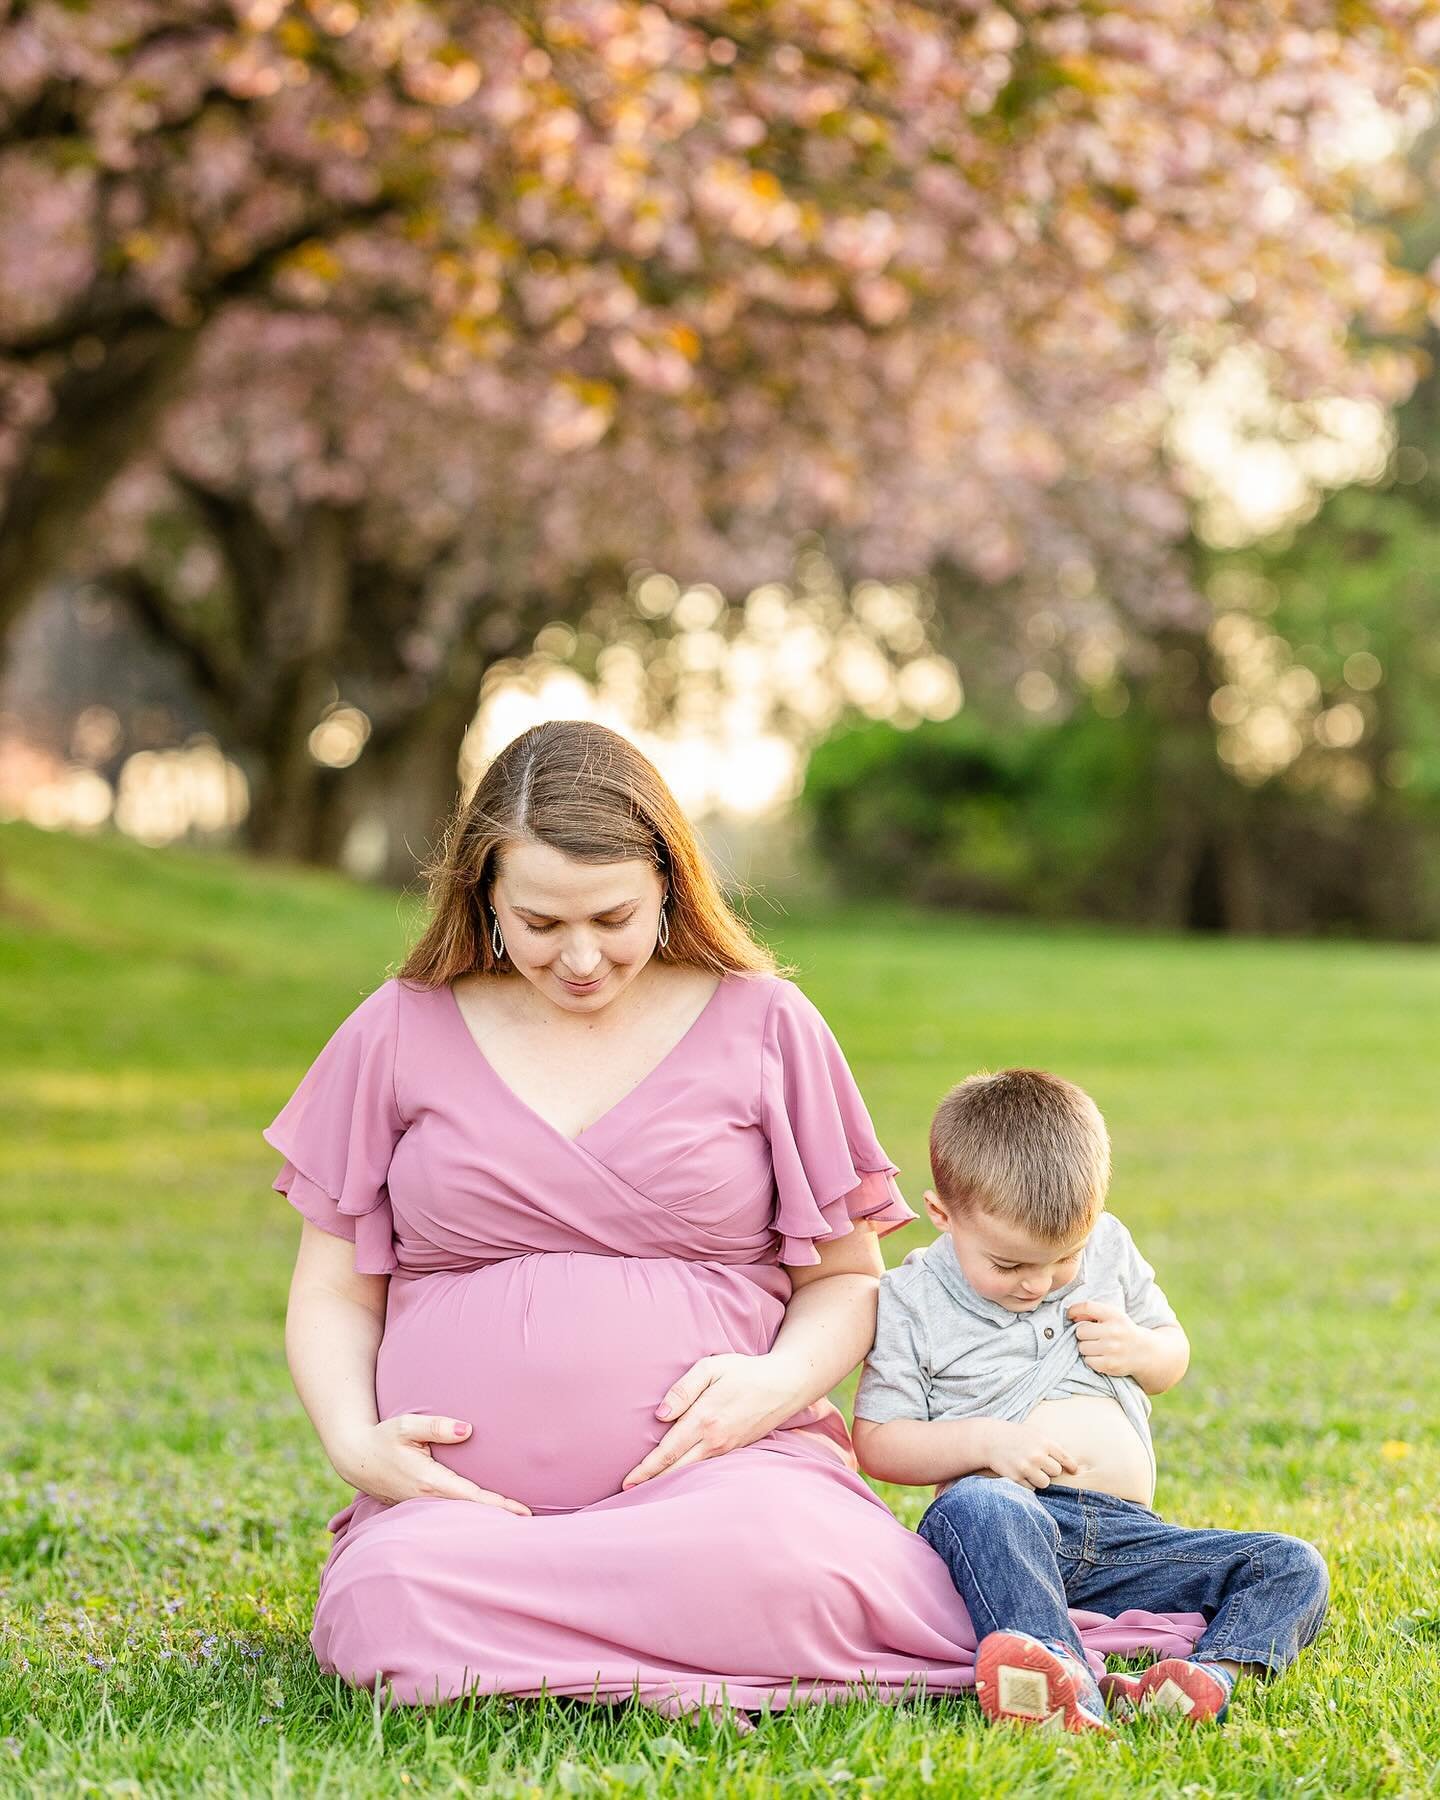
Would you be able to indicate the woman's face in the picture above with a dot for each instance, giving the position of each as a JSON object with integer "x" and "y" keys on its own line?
{"x": 566, "y": 922}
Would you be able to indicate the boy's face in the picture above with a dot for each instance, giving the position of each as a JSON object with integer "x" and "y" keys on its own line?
{"x": 1002, "y": 1262}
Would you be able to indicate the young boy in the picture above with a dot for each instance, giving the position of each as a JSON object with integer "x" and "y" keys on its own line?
{"x": 1013, "y": 1363}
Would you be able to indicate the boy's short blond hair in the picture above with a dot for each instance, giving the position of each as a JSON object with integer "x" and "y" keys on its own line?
{"x": 1024, "y": 1145}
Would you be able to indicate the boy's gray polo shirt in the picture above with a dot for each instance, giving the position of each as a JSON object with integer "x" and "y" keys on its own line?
{"x": 942, "y": 1351}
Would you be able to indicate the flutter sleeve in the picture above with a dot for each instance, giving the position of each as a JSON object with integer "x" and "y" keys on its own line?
{"x": 338, "y": 1130}
{"x": 829, "y": 1167}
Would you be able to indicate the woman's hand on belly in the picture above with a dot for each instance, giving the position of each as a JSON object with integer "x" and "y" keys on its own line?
{"x": 392, "y": 1461}
{"x": 723, "y": 1402}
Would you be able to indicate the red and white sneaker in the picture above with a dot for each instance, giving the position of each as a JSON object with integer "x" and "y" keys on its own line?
{"x": 1121, "y": 1691}
{"x": 1018, "y": 1677}
{"x": 1194, "y": 1691}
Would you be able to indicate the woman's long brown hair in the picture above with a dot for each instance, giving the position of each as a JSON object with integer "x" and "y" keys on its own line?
{"x": 587, "y": 792}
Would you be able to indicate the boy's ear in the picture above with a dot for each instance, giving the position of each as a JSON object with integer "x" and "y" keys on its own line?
{"x": 937, "y": 1214}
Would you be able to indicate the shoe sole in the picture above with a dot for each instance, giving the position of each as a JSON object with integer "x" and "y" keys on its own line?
{"x": 1020, "y": 1680}
{"x": 1121, "y": 1694}
{"x": 1179, "y": 1687}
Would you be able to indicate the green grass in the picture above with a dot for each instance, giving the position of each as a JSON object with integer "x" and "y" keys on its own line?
{"x": 1274, "y": 1114}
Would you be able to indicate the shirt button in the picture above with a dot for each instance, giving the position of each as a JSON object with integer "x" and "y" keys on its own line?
{"x": 1049, "y": 1331}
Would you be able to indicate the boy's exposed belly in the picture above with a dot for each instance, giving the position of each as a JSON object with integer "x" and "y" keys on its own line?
{"x": 1096, "y": 1432}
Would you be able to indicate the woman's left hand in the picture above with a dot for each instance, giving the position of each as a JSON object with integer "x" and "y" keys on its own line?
{"x": 718, "y": 1404}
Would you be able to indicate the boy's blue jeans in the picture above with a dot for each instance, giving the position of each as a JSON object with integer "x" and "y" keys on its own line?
{"x": 1021, "y": 1557}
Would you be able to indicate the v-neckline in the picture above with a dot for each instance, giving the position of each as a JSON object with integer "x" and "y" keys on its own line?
{"x": 609, "y": 1111}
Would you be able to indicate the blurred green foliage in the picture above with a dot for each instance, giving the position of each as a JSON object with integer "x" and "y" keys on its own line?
{"x": 990, "y": 814}
{"x": 1363, "y": 581}
{"x": 1280, "y": 773}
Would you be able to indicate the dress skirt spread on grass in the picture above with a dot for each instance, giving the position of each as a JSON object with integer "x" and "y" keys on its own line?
{"x": 550, "y": 1290}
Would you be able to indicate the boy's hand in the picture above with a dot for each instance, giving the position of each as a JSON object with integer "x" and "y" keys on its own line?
{"x": 1110, "y": 1341}
{"x": 1026, "y": 1455}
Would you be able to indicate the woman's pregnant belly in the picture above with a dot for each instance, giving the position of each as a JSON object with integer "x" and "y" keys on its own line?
{"x": 1096, "y": 1432}
{"x": 558, "y": 1361}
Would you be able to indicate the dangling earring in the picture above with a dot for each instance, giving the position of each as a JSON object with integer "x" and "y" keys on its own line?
{"x": 664, "y": 937}
{"x": 497, "y": 943}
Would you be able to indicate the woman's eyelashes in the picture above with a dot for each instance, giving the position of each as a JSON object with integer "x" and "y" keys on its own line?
{"x": 608, "y": 925}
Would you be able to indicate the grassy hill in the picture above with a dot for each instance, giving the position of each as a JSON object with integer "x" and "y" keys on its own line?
{"x": 162, "y": 1498}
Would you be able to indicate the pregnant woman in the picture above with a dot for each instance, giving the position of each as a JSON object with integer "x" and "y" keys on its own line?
{"x": 591, "y": 1209}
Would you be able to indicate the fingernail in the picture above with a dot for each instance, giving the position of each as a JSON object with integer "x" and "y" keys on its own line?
{"x": 460, "y": 1430}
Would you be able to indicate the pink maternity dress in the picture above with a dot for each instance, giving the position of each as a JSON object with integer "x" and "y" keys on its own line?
{"x": 550, "y": 1290}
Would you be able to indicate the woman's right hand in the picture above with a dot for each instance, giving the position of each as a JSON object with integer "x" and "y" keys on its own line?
{"x": 392, "y": 1461}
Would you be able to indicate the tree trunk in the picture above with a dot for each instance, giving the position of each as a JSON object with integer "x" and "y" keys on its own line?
{"x": 1194, "y": 885}
{"x": 385, "y": 815}
{"x": 102, "y": 416}
{"x": 311, "y": 620}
